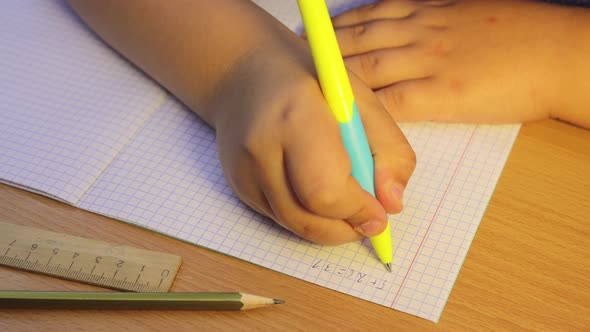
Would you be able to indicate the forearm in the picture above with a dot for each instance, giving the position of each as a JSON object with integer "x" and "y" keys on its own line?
{"x": 187, "y": 46}
{"x": 573, "y": 98}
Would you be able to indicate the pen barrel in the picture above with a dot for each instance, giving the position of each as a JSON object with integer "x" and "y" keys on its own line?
{"x": 357, "y": 146}
{"x": 363, "y": 170}
{"x": 384, "y": 243}
{"x": 327, "y": 57}
{"x": 336, "y": 87}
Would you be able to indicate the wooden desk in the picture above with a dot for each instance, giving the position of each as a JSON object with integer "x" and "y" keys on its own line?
{"x": 528, "y": 267}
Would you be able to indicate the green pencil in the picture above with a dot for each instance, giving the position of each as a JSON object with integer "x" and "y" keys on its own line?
{"x": 132, "y": 301}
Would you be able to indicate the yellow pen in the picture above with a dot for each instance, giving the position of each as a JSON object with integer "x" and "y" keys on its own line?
{"x": 338, "y": 93}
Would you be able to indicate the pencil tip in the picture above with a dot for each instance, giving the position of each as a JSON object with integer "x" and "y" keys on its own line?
{"x": 276, "y": 301}
{"x": 388, "y": 267}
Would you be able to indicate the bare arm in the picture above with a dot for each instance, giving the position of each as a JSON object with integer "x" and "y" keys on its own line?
{"x": 573, "y": 103}
{"x": 187, "y": 46}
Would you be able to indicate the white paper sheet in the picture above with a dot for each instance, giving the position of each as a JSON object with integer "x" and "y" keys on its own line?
{"x": 80, "y": 124}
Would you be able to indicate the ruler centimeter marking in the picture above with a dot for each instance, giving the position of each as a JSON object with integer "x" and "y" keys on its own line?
{"x": 85, "y": 260}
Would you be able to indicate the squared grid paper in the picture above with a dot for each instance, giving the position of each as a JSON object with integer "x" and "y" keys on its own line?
{"x": 458, "y": 168}
{"x": 168, "y": 179}
{"x": 68, "y": 104}
{"x": 79, "y": 123}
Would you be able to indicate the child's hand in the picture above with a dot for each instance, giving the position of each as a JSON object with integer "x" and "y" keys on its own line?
{"x": 282, "y": 154}
{"x": 468, "y": 61}
{"x": 253, "y": 80}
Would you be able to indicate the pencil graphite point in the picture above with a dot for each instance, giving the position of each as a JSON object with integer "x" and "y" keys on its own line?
{"x": 277, "y": 301}
{"x": 388, "y": 267}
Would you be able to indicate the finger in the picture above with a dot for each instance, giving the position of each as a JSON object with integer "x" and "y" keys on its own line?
{"x": 450, "y": 100}
{"x": 293, "y": 216}
{"x": 376, "y": 11}
{"x": 413, "y": 100}
{"x": 393, "y": 156}
{"x": 305, "y": 224}
{"x": 375, "y": 35}
{"x": 319, "y": 170}
{"x": 388, "y": 66}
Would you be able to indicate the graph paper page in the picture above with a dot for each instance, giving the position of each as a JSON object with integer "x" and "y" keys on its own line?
{"x": 169, "y": 179}
{"x": 79, "y": 123}
{"x": 68, "y": 104}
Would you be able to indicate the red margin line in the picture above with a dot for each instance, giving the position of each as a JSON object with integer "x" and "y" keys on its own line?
{"x": 434, "y": 215}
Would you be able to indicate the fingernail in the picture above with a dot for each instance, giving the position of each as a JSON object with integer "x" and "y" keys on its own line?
{"x": 397, "y": 193}
{"x": 369, "y": 228}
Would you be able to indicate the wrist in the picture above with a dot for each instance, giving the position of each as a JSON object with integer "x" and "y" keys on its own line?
{"x": 571, "y": 99}
{"x": 271, "y": 72}
{"x": 230, "y": 57}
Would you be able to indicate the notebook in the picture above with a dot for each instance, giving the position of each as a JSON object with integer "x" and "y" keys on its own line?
{"x": 82, "y": 125}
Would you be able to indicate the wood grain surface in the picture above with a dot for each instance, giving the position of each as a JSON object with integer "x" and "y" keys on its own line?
{"x": 528, "y": 268}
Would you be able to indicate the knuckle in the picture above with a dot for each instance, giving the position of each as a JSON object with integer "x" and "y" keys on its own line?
{"x": 288, "y": 113}
{"x": 394, "y": 98}
{"x": 253, "y": 147}
{"x": 309, "y": 232}
{"x": 299, "y": 225}
{"x": 291, "y": 112}
{"x": 358, "y": 31}
{"x": 320, "y": 197}
{"x": 316, "y": 234}
{"x": 368, "y": 63}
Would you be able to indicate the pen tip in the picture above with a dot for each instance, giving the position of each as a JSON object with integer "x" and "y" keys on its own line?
{"x": 276, "y": 301}
{"x": 388, "y": 266}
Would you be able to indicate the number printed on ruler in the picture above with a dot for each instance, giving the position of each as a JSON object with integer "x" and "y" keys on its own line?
{"x": 89, "y": 261}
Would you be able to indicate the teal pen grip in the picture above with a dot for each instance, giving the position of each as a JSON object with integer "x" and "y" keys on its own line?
{"x": 357, "y": 146}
